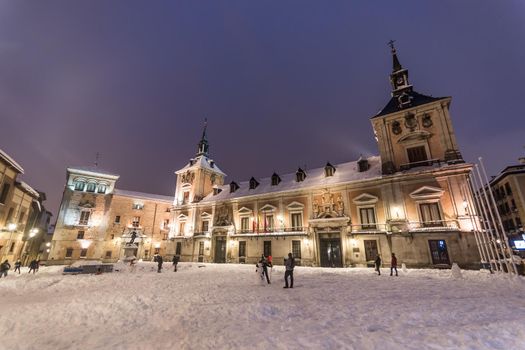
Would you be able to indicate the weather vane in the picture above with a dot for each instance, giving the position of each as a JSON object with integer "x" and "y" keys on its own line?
{"x": 391, "y": 44}
{"x": 97, "y": 156}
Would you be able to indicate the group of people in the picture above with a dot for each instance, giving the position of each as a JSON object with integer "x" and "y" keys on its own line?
{"x": 34, "y": 265}
{"x": 159, "y": 260}
{"x": 266, "y": 262}
{"x": 393, "y": 265}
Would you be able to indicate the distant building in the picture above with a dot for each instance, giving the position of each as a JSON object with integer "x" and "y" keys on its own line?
{"x": 410, "y": 200}
{"x": 508, "y": 189}
{"x": 20, "y": 205}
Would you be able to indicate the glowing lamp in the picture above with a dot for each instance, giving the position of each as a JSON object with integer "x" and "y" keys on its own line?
{"x": 11, "y": 227}
{"x": 85, "y": 244}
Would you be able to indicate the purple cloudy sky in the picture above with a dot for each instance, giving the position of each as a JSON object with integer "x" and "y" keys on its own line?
{"x": 283, "y": 83}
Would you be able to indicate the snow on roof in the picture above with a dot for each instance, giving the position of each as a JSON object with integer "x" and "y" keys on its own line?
{"x": 92, "y": 170}
{"x": 11, "y": 161}
{"x": 141, "y": 195}
{"x": 28, "y": 188}
{"x": 345, "y": 172}
{"x": 201, "y": 162}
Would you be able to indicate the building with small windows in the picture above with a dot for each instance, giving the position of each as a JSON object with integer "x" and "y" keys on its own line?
{"x": 23, "y": 217}
{"x": 413, "y": 199}
{"x": 508, "y": 189}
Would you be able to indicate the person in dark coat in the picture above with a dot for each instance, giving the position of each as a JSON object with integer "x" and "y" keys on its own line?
{"x": 393, "y": 264}
{"x": 263, "y": 264}
{"x": 4, "y": 267}
{"x": 378, "y": 264}
{"x": 176, "y": 259}
{"x": 18, "y": 263}
{"x": 289, "y": 266}
{"x": 32, "y": 266}
{"x": 159, "y": 263}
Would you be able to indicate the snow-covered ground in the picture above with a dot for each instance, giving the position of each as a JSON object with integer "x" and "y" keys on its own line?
{"x": 206, "y": 306}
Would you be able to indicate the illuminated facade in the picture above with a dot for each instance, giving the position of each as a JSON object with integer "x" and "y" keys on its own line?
{"x": 412, "y": 200}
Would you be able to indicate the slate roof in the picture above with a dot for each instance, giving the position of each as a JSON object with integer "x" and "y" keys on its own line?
{"x": 142, "y": 195}
{"x": 345, "y": 172}
{"x": 417, "y": 100}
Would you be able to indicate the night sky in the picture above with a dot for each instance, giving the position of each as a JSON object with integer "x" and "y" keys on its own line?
{"x": 283, "y": 84}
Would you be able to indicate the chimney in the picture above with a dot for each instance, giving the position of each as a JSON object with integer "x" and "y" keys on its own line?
{"x": 362, "y": 164}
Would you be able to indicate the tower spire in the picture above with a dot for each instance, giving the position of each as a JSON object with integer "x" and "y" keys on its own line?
{"x": 203, "y": 143}
{"x": 399, "y": 76}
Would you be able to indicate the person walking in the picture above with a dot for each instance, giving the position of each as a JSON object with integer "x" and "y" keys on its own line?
{"x": 159, "y": 263}
{"x": 176, "y": 259}
{"x": 378, "y": 265}
{"x": 289, "y": 266}
{"x": 263, "y": 265}
{"x": 32, "y": 266}
{"x": 393, "y": 264}
{"x": 4, "y": 267}
{"x": 18, "y": 263}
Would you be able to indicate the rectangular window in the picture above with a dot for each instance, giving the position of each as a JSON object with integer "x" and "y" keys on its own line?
{"x": 205, "y": 226}
{"x": 508, "y": 189}
{"x": 417, "y": 154}
{"x": 136, "y": 221}
{"x": 245, "y": 224}
{"x": 156, "y": 251}
{"x": 108, "y": 254}
{"x": 84, "y": 217}
{"x": 91, "y": 187}
{"x": 22, "y": 217}
{"x": 80, "y": 235}
{"x": 242, "y": 248}
{"x": 368, "y": 218}
{"x": 370, "y": 249}
{"x": 201, "y": 248}
{"x": 182, "y": 227}
{"x": 296, "y": 249}
{"x": 9, "y": 215}
{"x": 137, "y": 206}
{"x": 117, "y": 219}
{"x": 186, "y": 197}
{"x": 12, "y": 247}
{"x": 69, "y": 252}
{"x": 112, "y": 236}
{"x": 4, "y": 193}
{"x": 297, "y": 221}
{"x": 267, "y": 248}
{"x": 83, "y": 253}
{"x": 269, "y": 223}
{"x": 430, "y": 215}
{"x": 178, "y": 248}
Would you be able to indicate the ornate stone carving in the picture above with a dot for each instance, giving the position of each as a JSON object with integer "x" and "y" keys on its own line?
{"x": 329, "y": 208}
{"x": 410, "y": 121}
{"x": 223, "y": 217}
{"x": 427, "y": 120}
{"x": 188, "y": 177}
{"x": 396, "y": 128}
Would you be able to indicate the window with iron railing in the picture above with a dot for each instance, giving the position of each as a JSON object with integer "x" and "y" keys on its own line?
{"x": 296, "y": 249}
{"x": 297, "y": 221}
{"x": 368, "y": 218}
{"x": 245, "y": 224}
{"x": 430, "y": 214}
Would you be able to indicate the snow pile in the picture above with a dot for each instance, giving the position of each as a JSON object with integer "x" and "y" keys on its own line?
{"x": 455, "y": 271}
{"x": 227, "y": 307}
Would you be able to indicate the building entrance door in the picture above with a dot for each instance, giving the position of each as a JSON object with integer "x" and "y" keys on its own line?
{"x": 220, "y": 250}
{"x": 438, "y": 250}
{"x": 330, "y": 252}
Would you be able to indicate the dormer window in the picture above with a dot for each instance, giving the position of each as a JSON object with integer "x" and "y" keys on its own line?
{"x": 233, "y": 187}
{"x": 216, "y": 191}
{"x": 363, "y": 165}
{"x": 275, "y": 179}
{"x": 329, "y": 170}
{"x": 212, "y": 164}
{"x": 253, "y": 183}
{"x": 300, "y": 175}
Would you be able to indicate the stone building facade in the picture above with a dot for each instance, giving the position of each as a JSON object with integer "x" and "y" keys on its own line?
{"x": 20, "y": 204}
{"x": 413, "y": 200}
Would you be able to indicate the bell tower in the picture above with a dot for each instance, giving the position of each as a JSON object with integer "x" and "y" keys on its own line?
{"x": 200, "y": 176}
{"x": 413, "y": 129}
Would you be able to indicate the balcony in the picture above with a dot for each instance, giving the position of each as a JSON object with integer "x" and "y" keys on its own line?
{"x": 428, "y": 162}
{"x": 432, "y": 226}
{"x": 281, "y": 231}
{"x": 369, "y": 228}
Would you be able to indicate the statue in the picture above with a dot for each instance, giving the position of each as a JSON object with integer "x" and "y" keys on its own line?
{"x": 316, "y": 208}
{"x": 340, "y": 205}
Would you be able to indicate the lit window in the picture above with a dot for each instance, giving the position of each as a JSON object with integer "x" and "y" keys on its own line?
{"x": 297, "y": 221}
{"x": 79, "y": 185}
{"x": 91, "y": 187}
{"x": 430, "y": 215}
{"x": 102, "y": 189}
{"x": 245, "y": 224}
{"x": 138, "y": 206}
{"x": 368, "y": 218}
